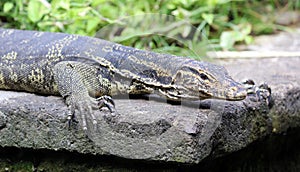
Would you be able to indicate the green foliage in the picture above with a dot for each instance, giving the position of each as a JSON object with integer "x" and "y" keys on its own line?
{"x": 139, "y": 23}
{"x": 238, "y": 33}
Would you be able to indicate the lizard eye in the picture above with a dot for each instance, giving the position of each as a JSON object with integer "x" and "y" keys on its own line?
{"x": 203, "y": 76}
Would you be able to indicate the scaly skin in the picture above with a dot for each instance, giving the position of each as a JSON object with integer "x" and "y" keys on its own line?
{"x": 87, "y": 71}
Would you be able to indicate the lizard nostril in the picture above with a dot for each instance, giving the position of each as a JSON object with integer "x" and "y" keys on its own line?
{"x": 233, "y": 89}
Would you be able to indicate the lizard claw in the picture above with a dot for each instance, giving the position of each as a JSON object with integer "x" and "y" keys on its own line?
{"x": 250, "y": 86}
{"x": 261, "y": 92}
{"x": 70, "y": 118}
{"x": 106, "y": 101}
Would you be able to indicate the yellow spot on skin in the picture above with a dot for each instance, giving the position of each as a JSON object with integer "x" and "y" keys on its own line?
{"x": 55, "y": 50}
{"x": 25, "y": 41}
{"x": 10, "y": 56}
{"x": 55, "y": 87}
{"x": 14, "y": 77}
{"x": 107, "y": 48}
{"x": 2, "y": 81}
{"x": 36, "y": 76}
{"x": 38, "y": 34}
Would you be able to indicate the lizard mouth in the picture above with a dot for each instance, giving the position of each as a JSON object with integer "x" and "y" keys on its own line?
{"x": 176, "y": 95}
{"x": 236, "y": 93}
{"x": 232, "y": 94}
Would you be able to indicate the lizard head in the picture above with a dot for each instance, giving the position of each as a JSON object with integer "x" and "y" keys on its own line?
{"x": 201, "y": 80}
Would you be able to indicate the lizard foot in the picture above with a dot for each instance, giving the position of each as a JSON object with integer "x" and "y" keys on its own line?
{"x": 261, "y": 92}
{"x": 84, "y": 106}
{"x": 250, "y": 86}
{"x": 106, "y": 101}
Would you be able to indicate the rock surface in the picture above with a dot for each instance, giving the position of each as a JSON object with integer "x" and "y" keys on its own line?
{"x": 283, "y": 41}
{"x": 282, "y": 75}
{"x": 155, "y": 130}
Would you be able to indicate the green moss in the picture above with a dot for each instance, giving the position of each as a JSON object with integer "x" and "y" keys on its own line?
{"x": 22, "y": 166}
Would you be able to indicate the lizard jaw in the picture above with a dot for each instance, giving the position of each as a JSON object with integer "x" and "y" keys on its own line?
{"x": 233, "y": 94}
{"x": 176, "y": 96}
{"x": 236, "y": 93}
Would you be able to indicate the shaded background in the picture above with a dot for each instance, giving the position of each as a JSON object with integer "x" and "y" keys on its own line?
{"x": 170, "y": 26}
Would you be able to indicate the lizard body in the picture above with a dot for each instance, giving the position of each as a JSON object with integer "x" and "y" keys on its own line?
{"x": 81, "y": 69}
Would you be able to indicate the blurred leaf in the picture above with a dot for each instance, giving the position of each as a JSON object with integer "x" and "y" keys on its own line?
{"x": 248, "y": 40}
{"x": 36, "y": 10}
{"x": 63, "y": 4}
{"x": 98, "y": 2}
{"x": 92, "y": 24}
{"x": 241, "y": 33}
{"x": 208, "y": 18}
{"x": 227, "y": 40}
{"x": 7, "y": 7}
{"x": 246, "y": 28}
{"x": 186, "y": 30}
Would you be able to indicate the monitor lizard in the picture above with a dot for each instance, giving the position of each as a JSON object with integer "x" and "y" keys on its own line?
{"x": 87, "y": 71}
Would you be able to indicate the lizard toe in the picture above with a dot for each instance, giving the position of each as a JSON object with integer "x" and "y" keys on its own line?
{"x": 106, "y": 101}
{"x": 86, "y": 117}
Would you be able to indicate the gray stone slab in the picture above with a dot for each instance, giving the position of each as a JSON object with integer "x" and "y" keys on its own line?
{"x": 156, "y": 130}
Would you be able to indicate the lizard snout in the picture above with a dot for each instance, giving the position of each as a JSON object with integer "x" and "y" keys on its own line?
{"x": 237, "y": 92}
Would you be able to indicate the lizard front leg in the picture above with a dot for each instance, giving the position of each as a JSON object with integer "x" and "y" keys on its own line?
{"x": 79, "y": 84}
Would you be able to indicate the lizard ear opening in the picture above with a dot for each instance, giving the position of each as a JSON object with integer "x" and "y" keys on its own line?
{"x": 178, "y": 78}
{"x": 180, "y": 75}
